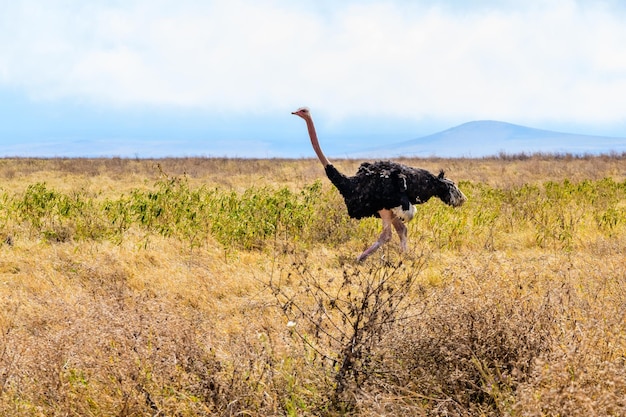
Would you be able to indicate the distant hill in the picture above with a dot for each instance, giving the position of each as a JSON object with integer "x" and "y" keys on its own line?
{"x": 488, "y": 137}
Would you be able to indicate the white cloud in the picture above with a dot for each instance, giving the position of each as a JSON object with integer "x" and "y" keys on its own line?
{"x": 542, "y": 61}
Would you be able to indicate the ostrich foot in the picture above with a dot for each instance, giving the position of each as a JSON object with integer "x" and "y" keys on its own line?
{"x": 367, "y": 252}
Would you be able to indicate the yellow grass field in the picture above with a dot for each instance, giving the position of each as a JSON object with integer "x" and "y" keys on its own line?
{"x": 229, "y": 287}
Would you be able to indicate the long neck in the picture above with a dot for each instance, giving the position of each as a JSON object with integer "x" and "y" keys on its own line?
{"x": 316, "y": 145}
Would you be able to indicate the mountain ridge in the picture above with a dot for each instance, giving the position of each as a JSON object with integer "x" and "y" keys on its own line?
{"x": 480, "y": 138}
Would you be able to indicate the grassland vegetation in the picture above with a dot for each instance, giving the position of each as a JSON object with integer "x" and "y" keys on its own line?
{"x": 202, "y": 286}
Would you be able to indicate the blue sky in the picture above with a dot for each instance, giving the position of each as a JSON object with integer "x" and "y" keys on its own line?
{"x": 153, "y": 78}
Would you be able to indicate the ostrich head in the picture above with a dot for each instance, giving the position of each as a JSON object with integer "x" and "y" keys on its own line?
{"x": 302, "y": 112}
{"x": 448, "y": 192}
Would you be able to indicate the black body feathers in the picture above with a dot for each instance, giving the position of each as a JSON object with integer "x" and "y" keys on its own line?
{"x": 384, "y": 185}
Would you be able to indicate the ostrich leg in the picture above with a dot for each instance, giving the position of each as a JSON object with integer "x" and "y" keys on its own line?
{"x": 402, "y": 232}
{"x": 387, "y": 217}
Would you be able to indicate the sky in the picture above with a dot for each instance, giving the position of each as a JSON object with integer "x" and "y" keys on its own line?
{"x": 157, "y": 78}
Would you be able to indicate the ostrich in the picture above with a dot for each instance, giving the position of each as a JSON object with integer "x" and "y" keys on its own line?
{"x": 385, "y": 189}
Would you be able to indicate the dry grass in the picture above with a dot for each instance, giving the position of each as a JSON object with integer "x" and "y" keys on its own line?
{"x": 514, "y": 304}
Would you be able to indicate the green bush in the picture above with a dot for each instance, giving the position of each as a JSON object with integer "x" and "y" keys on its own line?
{"x": 553, "y": 215}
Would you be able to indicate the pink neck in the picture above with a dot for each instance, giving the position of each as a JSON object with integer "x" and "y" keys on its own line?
{"x": 316, "y": 145}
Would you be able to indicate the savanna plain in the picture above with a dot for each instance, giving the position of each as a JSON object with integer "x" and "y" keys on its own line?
{"x": 230, "y": 287}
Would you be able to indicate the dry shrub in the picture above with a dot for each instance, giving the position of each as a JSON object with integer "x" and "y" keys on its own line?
{"x": 545, "y": 339}
{"x": 574, "y": 384}
{"x": 92, "y": 344}
{"x": 103, "y": 351}
{"x": 339, "y": 317}
{"x": 585, "y": 373}
{"x": 464, "y": 354}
